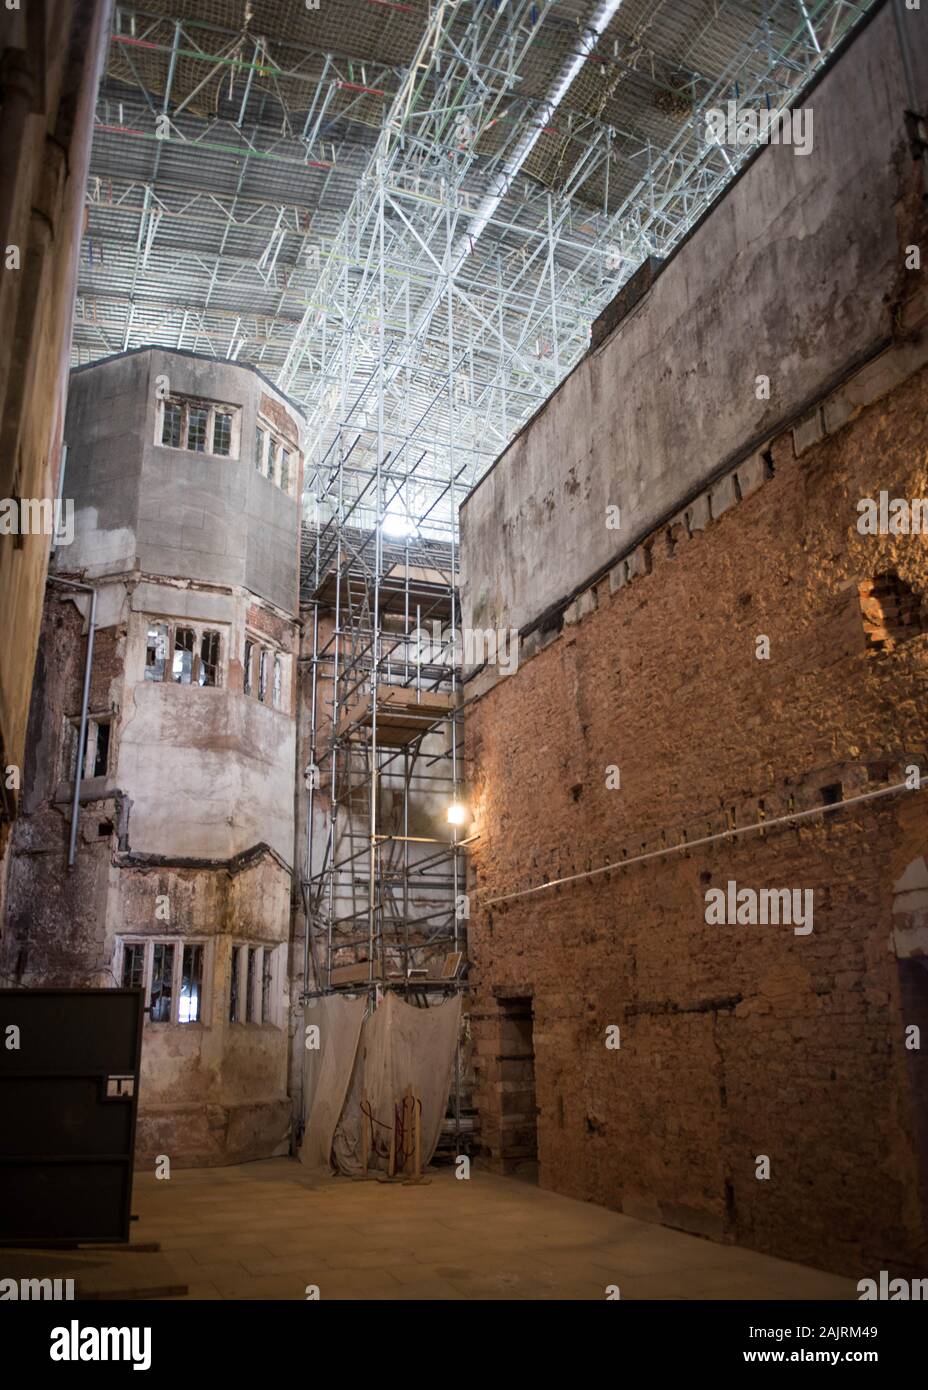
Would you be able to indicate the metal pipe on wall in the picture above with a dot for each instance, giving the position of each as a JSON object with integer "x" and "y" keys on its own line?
{"x": 686, "y": 846}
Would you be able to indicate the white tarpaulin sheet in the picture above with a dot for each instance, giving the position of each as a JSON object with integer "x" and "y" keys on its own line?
{"x": 328, "y": 1073}
{"x": 396, "y": 1047}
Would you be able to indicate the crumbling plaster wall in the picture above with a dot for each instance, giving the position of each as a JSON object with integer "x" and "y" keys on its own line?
{"x": 213, "y": 1093}
{"x": 55, "y": 920}
{"x": 794, "y": 274}
{"x": 197, "y": 804}
{"x": 140, "y": 505}
{"x": 203, "y": 771}
{"x": 209, "y": 770}
{"x": 172, "y": 535}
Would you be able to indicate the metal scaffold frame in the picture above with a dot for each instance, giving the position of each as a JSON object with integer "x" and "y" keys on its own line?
{"x": 414, "y": 240}
{"x": 381, "y": 902}
{"x": 458, "y": 291}
{"x": 384, "y": 723}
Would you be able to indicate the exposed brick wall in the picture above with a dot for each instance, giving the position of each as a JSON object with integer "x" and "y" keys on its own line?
{"x": 279, "y": 630}
{"x": 280, "y": 418}
{"x": 736, "y": 1041}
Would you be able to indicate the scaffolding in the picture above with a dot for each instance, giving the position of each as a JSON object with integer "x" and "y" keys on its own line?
{"x": 383, "y": 885}
{"x": 489, "y": 228}
{"x": 384, "y": 876}
{"x": 409, "y": 217}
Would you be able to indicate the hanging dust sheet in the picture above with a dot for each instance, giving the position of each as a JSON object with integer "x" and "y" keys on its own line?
{"x": 400, "y": 1046}
{"x": 328, "y": 1073}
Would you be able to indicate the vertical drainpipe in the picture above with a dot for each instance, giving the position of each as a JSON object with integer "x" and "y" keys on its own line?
{"x": 85, "y": 701}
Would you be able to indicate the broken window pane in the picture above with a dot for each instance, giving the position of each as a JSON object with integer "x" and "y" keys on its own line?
{"x": 133, "y": 965}
{"x": 259, "y": 449}
{"x": 250, "y": 985}
{"x": 248, "y": 659}
{"x": 173, "y": 424}
{"x": 233, "y": 984}
{"x": 197, "y": 421}
{"x": 191, "y": 985}
{"x": 184, "y": 643}
{"x": 262, "y": 674}
{"x": 101, "y": 757}
{"x": 162, "y": 982}
{"x": 209, "y": 659}
{"x": 278, "y": 680}
{"x": 285, "y": 469}
{"x": 266, "y": 963}
{"x": 222, "y": 433}
{"x": 156, "y": 651}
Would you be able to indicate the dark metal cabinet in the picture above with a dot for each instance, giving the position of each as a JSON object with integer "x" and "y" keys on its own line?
{"x": 69, "y": 1080}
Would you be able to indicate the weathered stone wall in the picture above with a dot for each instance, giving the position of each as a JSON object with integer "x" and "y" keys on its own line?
{"x": 216, "y": 1093}
{"x": 142, "y": 505}
{"x": 212, "y": 1092}
{"x": 735, "y": 1040}
{"x": 188, "y": 834}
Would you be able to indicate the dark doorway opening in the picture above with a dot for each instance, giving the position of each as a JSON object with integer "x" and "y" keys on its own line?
{"x": 518, "y": 1110}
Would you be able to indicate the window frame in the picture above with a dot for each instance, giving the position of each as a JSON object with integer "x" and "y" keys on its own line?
{"x": 99, "y": 725}
{"x": 270, "y": 958}
{"x": 180, "y": 647}
{"x": 213, "y": 409}
{"x": 180, "y": 944}
{"x": 266, "y": 672}
{"x": 261, "y": 694}
{"x": 248, "y": 661}
{"x": 69, "y": 744}
{"x": 203, "y": 664}
{"x": 168, "y": 652}
{"x": 273, "y": 446}
{"x": 218, "y": 415}
{"x": 172, "y": 406}
{"x": 200, "y": 630}
{"x": 205, "y": 417}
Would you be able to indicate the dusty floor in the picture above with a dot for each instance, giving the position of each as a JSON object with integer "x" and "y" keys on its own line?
{"x": 262, "y": 1230}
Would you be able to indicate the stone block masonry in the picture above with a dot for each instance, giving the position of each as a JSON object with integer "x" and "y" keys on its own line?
{"x": 735, "y": 1042}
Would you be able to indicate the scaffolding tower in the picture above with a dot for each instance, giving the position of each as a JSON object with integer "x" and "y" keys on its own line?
{"x": 384, "y": 873}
